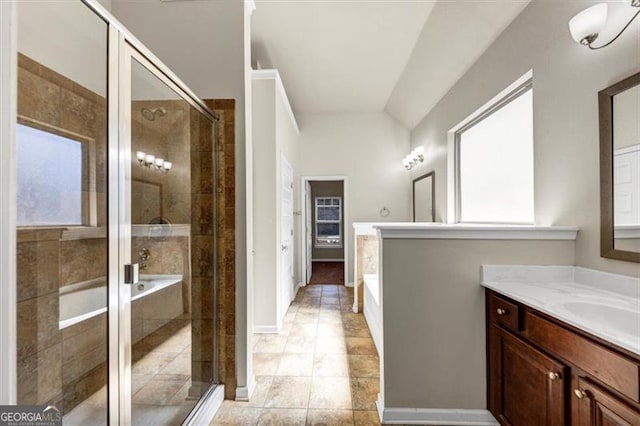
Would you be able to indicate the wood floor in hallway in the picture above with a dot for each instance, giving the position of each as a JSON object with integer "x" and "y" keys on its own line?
{"x": 322, "y": 369}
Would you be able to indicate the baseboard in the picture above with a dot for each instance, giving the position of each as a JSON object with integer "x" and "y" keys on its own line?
{"x": 243, "y": 393}
{"x": 266, "y": 329}
{"x": 208, "y": 408}
{"x": 327, "y": 260}
{"x": 349, "y": 285}
{"x": 434, "y": 416}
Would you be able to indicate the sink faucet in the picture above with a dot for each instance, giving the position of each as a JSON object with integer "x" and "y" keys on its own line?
{"x": 143, "y": 256}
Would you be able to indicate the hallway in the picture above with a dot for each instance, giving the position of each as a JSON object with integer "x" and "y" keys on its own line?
{"x": 321, "y": 369}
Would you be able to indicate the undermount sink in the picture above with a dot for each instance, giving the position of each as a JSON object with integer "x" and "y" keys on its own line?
{"x": 617, "y": 318}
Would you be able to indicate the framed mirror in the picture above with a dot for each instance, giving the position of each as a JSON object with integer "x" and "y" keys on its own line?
{"x": 619, "y": 108}
{"x": 424, "y": 188}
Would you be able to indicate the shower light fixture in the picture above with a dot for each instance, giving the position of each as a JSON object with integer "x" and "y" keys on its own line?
{"x": 415, "y": 157}
{"x": 586, "y": 26}
{"x": 153, "y": 162}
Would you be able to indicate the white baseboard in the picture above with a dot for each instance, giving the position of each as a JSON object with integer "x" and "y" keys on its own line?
{"x": 349, "y": 285}
{"x": 327, "y": 260}
{"x": 434, "y": 416}
{"x": 208, "y": 408}
{"x": 266, "y": 329}
{"x": 243, "y": 393}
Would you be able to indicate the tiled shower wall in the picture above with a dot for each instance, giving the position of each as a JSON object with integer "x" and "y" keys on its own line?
{"x": 225, "y": 242}
{"x": 46, "y": 260}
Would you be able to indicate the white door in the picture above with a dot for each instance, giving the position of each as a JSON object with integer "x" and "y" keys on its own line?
{"x": 286, "y": 237}
{"x": 308, "y": 232}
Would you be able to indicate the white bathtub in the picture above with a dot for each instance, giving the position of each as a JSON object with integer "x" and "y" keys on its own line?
{"x": 372, "y": 308}
{"x": 81, "y": 301}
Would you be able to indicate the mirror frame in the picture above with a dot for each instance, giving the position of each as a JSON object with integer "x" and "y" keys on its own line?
{"x": 605, "y": 105}
{"x": 433, "y": 194}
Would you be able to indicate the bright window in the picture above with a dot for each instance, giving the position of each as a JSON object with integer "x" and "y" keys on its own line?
{"x": 494, "y": 156}
{"x": 50, "y": 179}
{"x": 328, "y": 222}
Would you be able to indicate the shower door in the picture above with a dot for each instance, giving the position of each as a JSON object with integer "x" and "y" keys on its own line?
{"x": 166, "y": 238}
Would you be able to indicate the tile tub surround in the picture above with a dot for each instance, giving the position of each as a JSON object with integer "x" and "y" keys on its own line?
{"x": 553, "y": 290}
{"x": 321, "y": 369}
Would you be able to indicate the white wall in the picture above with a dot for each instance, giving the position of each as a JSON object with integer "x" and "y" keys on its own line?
{"x": 368, "y": 148}
{"x": 8, "y": 81}
{"x": 206, "y": 43}
{"x": 566, "y": 79}
{"x": 67, "y": 37}
{"x": 275, "y": 136}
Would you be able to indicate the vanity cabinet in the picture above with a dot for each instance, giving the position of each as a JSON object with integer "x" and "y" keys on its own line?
{"x": 541, "y": 371}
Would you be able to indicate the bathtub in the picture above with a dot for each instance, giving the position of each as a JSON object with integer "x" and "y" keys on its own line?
{"x": 82, "y": 301}
{"x": 372, "y": 308}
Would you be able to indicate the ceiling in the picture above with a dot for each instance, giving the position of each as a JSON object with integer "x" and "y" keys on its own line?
{"x": 337, "y": 56}
{"x": 399, "y": 56}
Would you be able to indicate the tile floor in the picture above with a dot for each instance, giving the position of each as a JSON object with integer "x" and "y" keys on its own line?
{"x": 322, "y": 369}
{"x": 161, "y": 377}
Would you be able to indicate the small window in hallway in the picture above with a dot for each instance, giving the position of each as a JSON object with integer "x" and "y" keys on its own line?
{"x": 328, "y": 222}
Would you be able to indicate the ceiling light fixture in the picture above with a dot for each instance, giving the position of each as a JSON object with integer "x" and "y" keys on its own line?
{"x": 586, "y": 26}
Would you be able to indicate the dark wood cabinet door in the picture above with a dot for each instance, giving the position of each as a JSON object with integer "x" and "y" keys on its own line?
{"x": 593, "y": 406}
{"x": 526, "y": 387}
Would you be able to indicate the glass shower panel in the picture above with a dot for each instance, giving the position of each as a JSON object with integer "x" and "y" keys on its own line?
{"x": 172, "y": 336}
{"x": 62, "y": 247}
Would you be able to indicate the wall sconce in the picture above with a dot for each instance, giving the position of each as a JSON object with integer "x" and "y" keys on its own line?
{"x": 153, "y": 162}
{"x": 586, "y": 26}
{"x": 414, "y": 158}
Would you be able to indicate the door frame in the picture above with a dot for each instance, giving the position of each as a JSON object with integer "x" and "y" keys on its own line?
{"x": 345, "y": 214}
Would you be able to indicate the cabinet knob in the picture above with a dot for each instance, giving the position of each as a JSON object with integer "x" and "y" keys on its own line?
{"x": 580, "y": 394}
{"x": 501, "y": 311}
{"x": 553, "y": 375}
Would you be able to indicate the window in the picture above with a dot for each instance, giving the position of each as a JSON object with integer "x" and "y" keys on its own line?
{"x": 50, "y": 179}
{"x": 494, "y": 156}
{"x": 328, "y": 222}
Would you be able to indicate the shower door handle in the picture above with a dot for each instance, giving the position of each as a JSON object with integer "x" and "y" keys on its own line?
{"x": 131, "y": 273}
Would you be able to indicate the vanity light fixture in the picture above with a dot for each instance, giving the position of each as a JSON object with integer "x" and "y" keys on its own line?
{"x": 586, "y": 26}
{"x": 415, "y": 157}
{"x": 153, "y": 162}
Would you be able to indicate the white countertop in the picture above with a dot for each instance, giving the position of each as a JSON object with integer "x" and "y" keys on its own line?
{"x": 609, "y": 310}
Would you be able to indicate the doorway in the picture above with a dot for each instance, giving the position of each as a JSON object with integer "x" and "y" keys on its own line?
{"x": 325, "y": 230}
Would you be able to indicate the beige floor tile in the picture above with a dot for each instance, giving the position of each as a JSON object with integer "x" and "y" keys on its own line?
{"x": 271, "y": 343}
{"x": 240, "y": 416}
{"x": 307, "y": 318}
{"x": 304, "y": 330}
{"x": 330, "y": 392}
{"x": 364, "y": 392}
{"x": 153, "y": 362}
{"x": 308, "y": 310}
{"x": 288, "y": 392}
{"x": 330, "y": 330}
{"x": 356, "y": 331}
{"x": 329, "y": 300}
{"x": 295, "y": 365}
{"x": 360, "y": 346}
{"x": 286, "y": 329}
{"x": 300, "y": 345}
{"x": 265, "y": 364}
{"x": 330, "y": 365}
{"x": 366, "y": 418}
{"x": 364, "y": 366}
{"x": 330, "y": 345}
{"x": 282, "y": 416}
{"x": 330, "y": 417}
{"x": 259, "y": 395}
{"x": 157, "y": 391}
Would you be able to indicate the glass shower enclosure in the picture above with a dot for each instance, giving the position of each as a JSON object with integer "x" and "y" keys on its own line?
{"x": 116, "y": 235}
